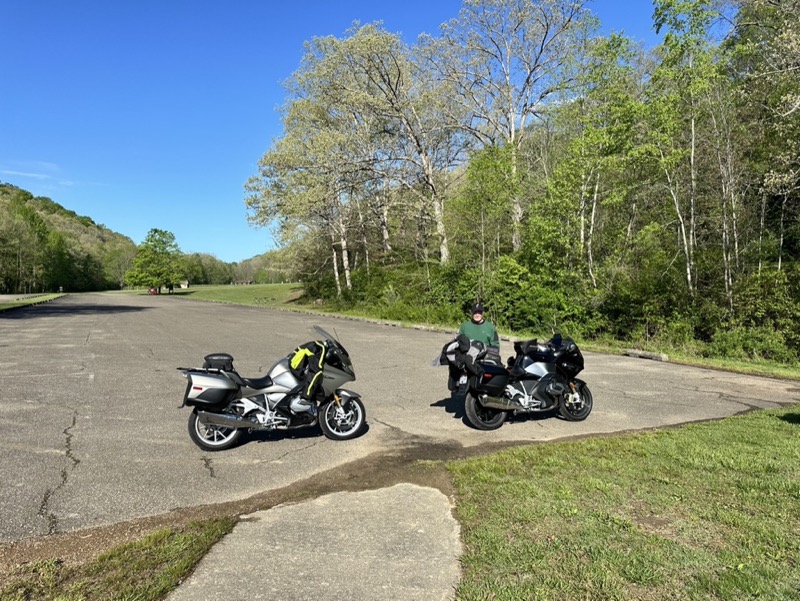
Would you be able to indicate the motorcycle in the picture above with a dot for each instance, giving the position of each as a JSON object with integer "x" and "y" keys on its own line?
{"x": 225, "y": 404}
{"x": 541, "y": 377}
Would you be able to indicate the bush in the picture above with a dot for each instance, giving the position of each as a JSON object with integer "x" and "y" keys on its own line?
{"x": 751, "y": 344}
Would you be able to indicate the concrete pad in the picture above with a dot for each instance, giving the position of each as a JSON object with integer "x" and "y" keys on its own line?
{"x": 389, "y": 544}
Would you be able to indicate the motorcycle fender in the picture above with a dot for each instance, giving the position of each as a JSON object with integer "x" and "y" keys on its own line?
{"x": 346, "y": 394}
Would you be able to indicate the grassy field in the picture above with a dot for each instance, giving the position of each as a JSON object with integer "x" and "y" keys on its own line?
{"x": 707, "y": 511}
{"x": 25, "y": 302}
{"x": 257, "y": 295}
{"x": 147, "y": 569}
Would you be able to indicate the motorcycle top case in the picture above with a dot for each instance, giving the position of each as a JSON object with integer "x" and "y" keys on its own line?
{"x": 222, "y": 361}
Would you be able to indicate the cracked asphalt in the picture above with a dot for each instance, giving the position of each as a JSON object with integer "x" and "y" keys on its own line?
{"x": 91, "y": 433}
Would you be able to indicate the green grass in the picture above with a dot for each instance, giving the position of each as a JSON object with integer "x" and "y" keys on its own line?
{"x": 41, "y": 298}
{"x": 257, "y": 295}
{"x": 144, "y": 570}
{"x": 708, "y": 511}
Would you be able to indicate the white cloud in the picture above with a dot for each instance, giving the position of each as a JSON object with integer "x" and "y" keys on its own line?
{"x": 39, "y": 176}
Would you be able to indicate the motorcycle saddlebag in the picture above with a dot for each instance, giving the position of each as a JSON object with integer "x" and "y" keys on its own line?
{"x": 493, "y": 379}
{"x": 222, "y": 361}
{"x": 204, "y": 388}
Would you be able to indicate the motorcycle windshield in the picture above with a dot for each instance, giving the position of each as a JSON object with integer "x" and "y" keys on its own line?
{"x": 327, "y": 336}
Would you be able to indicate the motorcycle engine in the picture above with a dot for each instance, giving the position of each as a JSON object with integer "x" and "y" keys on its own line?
{"x": 522, "y": 392}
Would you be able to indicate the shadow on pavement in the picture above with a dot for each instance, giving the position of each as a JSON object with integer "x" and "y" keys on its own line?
{"x": 260, "y": 436}
{"x": 52, "y": 309}
{"x": 453, "y": 404}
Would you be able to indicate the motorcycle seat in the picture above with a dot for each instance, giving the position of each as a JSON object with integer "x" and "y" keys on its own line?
{"x": 257, "y": 383}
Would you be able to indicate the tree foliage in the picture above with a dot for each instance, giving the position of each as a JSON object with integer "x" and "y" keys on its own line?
{"x": 45, "y": 247}
{"x": 157, "y": 262}
{"x": 578, "y": 181}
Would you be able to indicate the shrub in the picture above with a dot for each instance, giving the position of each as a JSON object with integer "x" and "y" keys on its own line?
{"x": 751, "y": 344}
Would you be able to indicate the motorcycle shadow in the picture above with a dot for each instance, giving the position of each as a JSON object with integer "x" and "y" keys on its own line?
{"x": 261, "y": 436}
{"x": 453, "y": 404}
{"x": 537, "y": 416}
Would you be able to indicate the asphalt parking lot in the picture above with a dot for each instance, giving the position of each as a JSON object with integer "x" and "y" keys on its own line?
{"x": 91, "y": 432}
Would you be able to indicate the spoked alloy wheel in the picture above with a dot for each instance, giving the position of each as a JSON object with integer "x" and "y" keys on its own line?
{"x": 483, "y": 418}
{"x": 211, "y": 438}
{"x": 342, "y": 421}
{"x": 577, "y": 409}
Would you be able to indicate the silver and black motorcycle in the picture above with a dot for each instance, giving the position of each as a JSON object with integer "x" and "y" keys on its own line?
{"x": 226, "y": 404}
{"x": 540, "y": 378}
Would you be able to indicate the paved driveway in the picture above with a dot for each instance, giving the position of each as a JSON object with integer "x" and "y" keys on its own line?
{"x": 91, "y": 433}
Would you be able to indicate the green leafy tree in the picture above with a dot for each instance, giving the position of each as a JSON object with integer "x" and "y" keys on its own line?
{"x": 157, "y": 262}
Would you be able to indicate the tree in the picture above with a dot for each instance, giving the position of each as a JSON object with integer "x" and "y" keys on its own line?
{"x": 504, "y": 60}
{"x": 157, "y": 261}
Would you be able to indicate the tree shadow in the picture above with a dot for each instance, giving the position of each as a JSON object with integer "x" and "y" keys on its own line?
{"x": 792, "y": 418}
{"x": 55, "y": 309}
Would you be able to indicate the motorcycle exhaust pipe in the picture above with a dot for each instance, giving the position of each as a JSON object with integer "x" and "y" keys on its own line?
{"x": 500, "y": 403}
{"x": 225, "y": 420}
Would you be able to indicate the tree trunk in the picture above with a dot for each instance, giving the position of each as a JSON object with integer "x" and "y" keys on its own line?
{"x": 591, "y": 231}
{"x": 761, "y": 228}
{"x": 336, "y": 266}
{"x": 438, "y": 212}
{"x": 684, "y": 238}
{"x": 383, "y": 216}
{"x": 345, "y": 258}
{"x": 516, "y": 206}
{"x": 364, "y": 238}
{"x": 780, "y": 245}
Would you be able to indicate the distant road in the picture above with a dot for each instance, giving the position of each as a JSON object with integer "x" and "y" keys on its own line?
{"x": 91, "y": 433}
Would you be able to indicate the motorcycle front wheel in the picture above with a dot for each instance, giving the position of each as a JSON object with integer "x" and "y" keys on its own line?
{"x": 342, "y": 421}
{"x": 577, "y": 411}
{"x": 212, "y": 438}
{"x": 483, "y": 418}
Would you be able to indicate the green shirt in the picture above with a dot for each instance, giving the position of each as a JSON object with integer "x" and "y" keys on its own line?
{"x": 484, "y": 332}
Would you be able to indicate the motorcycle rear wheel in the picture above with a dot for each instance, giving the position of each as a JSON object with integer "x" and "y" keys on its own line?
{"x": 212, "y": 438}
{"x": 342, "y": 422}
{"x": 580, "y": 412}
{"x": 483, "y": 418}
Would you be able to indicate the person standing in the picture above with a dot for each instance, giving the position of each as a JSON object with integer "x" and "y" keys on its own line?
{"x": 478, "y": 328}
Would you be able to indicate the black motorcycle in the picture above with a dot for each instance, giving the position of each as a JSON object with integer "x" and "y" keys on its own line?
{"x": 541, "y": 377}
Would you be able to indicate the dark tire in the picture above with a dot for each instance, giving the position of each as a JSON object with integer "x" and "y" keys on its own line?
{"x": 212, "y": 438}
{"x": 482, "y": 417}
{"x": 342, "y": 422}
{"x": 580, "y": 410}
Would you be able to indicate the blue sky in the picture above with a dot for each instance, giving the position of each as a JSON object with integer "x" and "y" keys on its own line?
{"x": 153, "y": 114}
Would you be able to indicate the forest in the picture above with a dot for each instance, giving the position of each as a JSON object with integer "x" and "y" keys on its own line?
{"x": 46, "y": 248}
{"x": 572, "y": 181}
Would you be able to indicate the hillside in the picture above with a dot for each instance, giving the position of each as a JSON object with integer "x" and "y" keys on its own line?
{"x": 44, "y": 247}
